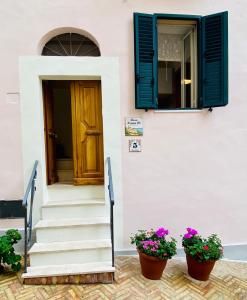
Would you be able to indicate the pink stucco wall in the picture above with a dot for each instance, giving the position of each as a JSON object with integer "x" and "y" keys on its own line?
{"x": 193, "y": 167}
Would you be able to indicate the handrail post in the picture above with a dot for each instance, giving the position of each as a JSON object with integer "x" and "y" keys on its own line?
{"x": 111, "y": 198}
{"x": 30, "y": 221}
{"x": 112, "y": 236}
{"x": 25, "y": 242}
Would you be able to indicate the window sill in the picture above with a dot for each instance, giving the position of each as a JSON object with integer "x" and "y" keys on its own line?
{"x": 178, "y": 110}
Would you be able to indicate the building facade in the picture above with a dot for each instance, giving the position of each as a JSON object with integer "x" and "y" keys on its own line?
{"x": 191, "y": 170}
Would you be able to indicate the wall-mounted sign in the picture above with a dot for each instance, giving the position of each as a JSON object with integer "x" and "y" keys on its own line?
{"x": 135, "y": 146}
{"x": 133, "y": 127}
{"x": 12, "y": 98}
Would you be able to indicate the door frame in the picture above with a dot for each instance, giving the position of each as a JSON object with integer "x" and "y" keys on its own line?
{"x": 49, "y": 141}
{"x": 34, "y": 69}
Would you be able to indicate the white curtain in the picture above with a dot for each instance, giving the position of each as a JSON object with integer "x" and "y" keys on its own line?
{"x": 169, "y": 47}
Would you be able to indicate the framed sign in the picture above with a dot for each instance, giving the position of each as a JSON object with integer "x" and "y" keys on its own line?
{"x": 133, "y": 127}
{"x": 135, "y": 145}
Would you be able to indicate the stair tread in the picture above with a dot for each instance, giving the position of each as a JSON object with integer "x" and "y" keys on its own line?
{"x": 69, "y": 246}
{"x": 71, "y": 222}
{"x": 95, "y": 201}
{"x": 68, "y": 269}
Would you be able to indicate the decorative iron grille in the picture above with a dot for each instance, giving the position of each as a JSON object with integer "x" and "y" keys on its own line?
{"x": 70, "y": 44}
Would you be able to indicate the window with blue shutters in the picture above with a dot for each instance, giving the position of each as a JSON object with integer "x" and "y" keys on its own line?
{"x": 181, "y": 61}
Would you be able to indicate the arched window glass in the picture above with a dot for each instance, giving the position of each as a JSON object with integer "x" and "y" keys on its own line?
{"x": 70, "y": 44}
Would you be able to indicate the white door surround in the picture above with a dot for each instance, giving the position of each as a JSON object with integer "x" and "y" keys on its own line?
{"x": 34, "y": 69}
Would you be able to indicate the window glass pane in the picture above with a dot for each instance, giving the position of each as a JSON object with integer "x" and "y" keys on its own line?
{"x": 176, "y": 64}
{"x": 169, "y": 84}
{"x": 187, "y": 72}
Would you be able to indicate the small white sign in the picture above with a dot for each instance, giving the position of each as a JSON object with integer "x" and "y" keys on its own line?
{"x": 135, "y": 145}
{"x": 133, "y": 127}
{"x": 12, "y": 98}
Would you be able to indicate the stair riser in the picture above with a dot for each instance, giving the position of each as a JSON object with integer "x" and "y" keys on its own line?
{"x": 65, "y": 175}
{"x": 64, "y": 164}
{"x": 73, "y": 233}
{"x": 70, "y": 257}
{"x": 71, "y": 212}
{"x": 70, "y": 192}
{"x": 104, "y": 277}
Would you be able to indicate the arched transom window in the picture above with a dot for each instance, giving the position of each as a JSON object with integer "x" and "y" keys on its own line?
{"x": 70, "y": 44}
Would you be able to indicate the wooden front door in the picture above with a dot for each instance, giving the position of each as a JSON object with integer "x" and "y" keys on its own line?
{"x": 87, "y": 131}
{"x": 49, "y": 134}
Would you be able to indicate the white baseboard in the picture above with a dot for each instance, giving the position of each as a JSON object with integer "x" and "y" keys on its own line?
{"x": 231, "y": 253}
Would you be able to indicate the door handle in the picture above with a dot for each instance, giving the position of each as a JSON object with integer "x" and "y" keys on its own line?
{"x": 93, "y": 132}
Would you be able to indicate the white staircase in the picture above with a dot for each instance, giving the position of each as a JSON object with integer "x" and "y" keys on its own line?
{"x": 73, "y": 237}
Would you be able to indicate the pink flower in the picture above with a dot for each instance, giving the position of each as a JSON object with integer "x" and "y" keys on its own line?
{"x": 191, "y": 231}
{"x": 152, "y": 245}
{"x": 161, "y": 232}
{"x": 187, "y": 236}
{"x": 205, "y": 247}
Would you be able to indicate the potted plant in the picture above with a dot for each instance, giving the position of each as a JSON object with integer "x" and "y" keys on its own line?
{"x": 7, "y": 251}
{"x": 201, "y": 253}
{"x": 154, "y": 251}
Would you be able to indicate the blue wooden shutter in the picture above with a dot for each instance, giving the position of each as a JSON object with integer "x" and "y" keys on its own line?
{"x": 145, "y": 61}
{"x": 215, "y": 60}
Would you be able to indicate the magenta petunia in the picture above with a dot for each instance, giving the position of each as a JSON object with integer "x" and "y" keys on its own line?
{"x": 191, "y": 231}
{"x": 187, "y": 236}
{"x": 161, "y": 232}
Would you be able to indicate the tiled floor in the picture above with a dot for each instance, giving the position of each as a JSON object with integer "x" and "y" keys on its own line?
{"x": 228, "y": 281}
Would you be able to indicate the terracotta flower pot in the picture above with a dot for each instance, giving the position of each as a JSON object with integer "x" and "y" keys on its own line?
{"x": 152, "y": 267}
{"x": 199, "y": 270}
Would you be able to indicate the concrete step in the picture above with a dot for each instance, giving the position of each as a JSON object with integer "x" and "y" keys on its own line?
{"x": 74, "y": 209}
{"x": 63, "y": 230}
{"x": 71, "y": 252}
{"x": 68, "y": 192}
{"x": 64, "y": 164}
{"x": 68, "y": 269}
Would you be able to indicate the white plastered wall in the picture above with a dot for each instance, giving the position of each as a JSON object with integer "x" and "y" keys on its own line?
{"x": 34, "y": 69}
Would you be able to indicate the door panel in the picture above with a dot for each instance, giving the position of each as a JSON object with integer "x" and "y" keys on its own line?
{"x": 49, "y": 134}
{"x": 87, "y": 132}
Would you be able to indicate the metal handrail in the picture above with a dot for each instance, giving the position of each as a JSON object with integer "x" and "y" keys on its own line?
{"x": 110, "y": 185}
{"x": 111, "y": 197}
{"x": 31, "y": 188}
